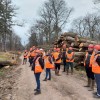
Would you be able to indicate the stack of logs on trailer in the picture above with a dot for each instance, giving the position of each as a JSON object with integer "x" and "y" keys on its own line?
{"x": 79, "y": 44}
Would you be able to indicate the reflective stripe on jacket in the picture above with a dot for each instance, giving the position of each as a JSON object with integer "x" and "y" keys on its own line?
{"x": 56, "y": 56}
{"x": 70, "y": 57}
{"x": 95, "y": 66}
{"x": 90, "y": 60}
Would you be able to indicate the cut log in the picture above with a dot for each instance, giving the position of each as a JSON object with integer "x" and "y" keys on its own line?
{"x": 70, "y": 34}
{"x": 78, "y": 59}
{"x": 84, "y": 40}
{"x": 68, "y": 38}
{"x": 75, "y": 45}
{"x": 84, "y": 45}
{"x": 91, "y": 42}
{"x": 81, "y": 40}
{"x": 79, "y": 54}
{"x": 75, "y": 49}
{"x": 8, "y": 63}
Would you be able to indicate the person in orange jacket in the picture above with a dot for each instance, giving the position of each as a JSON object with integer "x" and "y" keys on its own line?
{"x": 88, "y": 67}
{"x": 57, "y": 61}
{"x": 69, "y": 59}
{"x": 96, "y": 69}
{"x": 32, "y": 55}
{"x": 49, "y": 65}
{"x": 25, "y": 57}
{"x": 37, "y": 67}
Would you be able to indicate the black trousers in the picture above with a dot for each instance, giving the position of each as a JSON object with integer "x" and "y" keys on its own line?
{"x": 89, "y": 72}
{"x": 64, "y": 63}
{"x": 57, "y": 66}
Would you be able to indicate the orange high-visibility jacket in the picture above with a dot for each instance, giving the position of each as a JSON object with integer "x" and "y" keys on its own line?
{"x": 38, "y": 68}
{"x": 48, "y": 64}
{"x": 26, "y": 55}
{"x": 95, "y": 66}
{"x": 91, "y": 59}
{"x": 70, "y": 56}
{"x": 56, "y": 55}
{"x": 33, "y": 54}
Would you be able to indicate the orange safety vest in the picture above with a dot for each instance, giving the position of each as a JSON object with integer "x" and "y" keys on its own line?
{"x": 38, "y": 68}
{"x": 91, "y": 59}
{"x": 48, "y": 64}
{"x": 55, "y": 55}
{"x": 26, "y": 55}
{"x": 52, "y": 53}
{"x": 70, "y": 57}
{"x": 29, "y": 54}
{"x": 33, "y": 54}
{"x": 95, "y": 66}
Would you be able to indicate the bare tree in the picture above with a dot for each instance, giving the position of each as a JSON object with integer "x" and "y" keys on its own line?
{"x": 54, "y": 15}
{"x": 96, "y": 1}
{"x": 87, "y": 26}
{"x": 92, "y": 21}
{"x": 79, "y": 26}
{"x": 61, "y": 13}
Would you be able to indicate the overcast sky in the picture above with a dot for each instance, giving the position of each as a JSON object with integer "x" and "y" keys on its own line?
{"x": 28, "y": 11}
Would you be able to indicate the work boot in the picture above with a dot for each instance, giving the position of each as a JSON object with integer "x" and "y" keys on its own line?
{"x": 89, "y": 83}
{"x": 92, "y": 85}
{"x": 72, "y": 72}
{"x": 67, "y": 72}
{"x": 49, "y": 79}
{"x": 96, "y": 96}
{"x": 45, "y": 79}
{"x": 55, "y": 72}
{"x": 63, "y": 70}
{"x": 58, "y": 73}
{"x": 35, "y": 89}
{"x": 95, "y": 93}
{"x": 37, "y": 92}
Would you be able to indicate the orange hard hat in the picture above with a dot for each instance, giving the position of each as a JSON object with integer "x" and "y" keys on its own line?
{"x": 70, "y": 48}
{"x": 91, "y": 46}
{"x": 97, "y": 47}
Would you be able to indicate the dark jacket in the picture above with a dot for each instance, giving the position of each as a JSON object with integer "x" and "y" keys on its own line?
{"x": 87, "y": 62}
{"x": 64, "y": 55}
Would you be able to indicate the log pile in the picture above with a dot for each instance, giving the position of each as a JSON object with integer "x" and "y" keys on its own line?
{"x": 8, "y": 58}
{"x": 80, "y": 45}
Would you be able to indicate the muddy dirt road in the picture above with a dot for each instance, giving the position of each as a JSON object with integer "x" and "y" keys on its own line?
{"x": 62, "y": 87}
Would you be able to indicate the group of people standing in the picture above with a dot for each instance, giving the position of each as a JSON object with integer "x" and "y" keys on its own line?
{"x": 92, "y": 67}
{"x": 52, "y": 59}
{"x": 40, "y": 60}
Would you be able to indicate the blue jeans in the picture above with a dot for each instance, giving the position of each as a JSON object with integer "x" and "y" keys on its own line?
{"x": 97, "y": 78}
{"x": 48, "y": 72}
{"x": 64, "y": 62}
{"x": 37, "y": 77}
{"x": 69, "y": 64}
